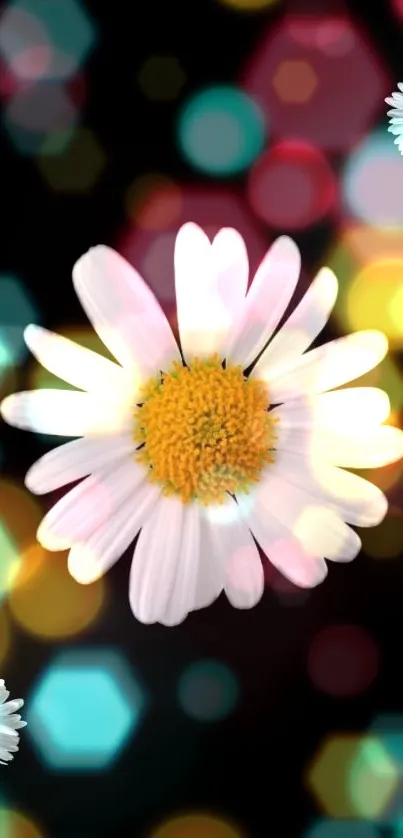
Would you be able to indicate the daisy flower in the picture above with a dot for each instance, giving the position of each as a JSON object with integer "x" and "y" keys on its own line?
{"x": 10, "y": 722}
{"x": 396, "y": 116}
{"x": 197, "y": 456}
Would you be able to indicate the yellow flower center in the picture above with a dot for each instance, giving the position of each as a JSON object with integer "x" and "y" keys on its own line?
{"x": 204, "y": 430}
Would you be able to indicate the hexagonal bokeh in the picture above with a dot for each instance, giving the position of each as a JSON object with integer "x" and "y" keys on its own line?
{"x": 161, "y": 78}
{"x": 78, "y": 169}
{"x": 40, "y": 112}
{"x": 84, "y": 709}
{"x": 335, "y": 98}
{"x": 353, "y": 776}
{"x": 40, "y": 40}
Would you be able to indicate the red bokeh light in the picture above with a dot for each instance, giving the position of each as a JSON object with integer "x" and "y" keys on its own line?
{"x": 291, "y": 186}
{"x": 351, "y": 81}
{"x": 343, "y": 660}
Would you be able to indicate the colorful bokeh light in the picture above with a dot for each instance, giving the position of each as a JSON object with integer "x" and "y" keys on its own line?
{"x": 291, "y": 186}
{"x": 15, "y": 824}
{"x": 221, "y": 131}
{"x": 5, "y": 635}
{"x": 195, "y": 826}
{"x": 250, "y": 5}
{"x": 17, "y": 310}
{"x": 78, "y": 169}
{"x": 343, "y": 660}
{"x": 84, "y": 709}
{"x": 351, "y": 81}
{"x": 386, "y": 540}
{"x": 208, "y": 691}
{"x": 20, "y": 515}
{"x": 40, "y": 40}
{"x": 161, "y": 78}
{"x": 372, "y": 182}
{"x": 40, "y": 113}
{"x": 342, "y": 829}
{"x": 352, "y": 776}
{"x": 45, "y": 600}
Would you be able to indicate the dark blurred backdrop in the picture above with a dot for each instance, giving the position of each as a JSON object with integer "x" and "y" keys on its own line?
{"x": 120, "y": 121}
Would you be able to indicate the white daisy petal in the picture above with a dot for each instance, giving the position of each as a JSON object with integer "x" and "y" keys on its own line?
{"x": 155, "y": 561}
{"x": 124, "y": 312}
{"x": 235, "y": 552}
{"x": 10, "y": 721}
{"x": 372, "y": 446}
{"x": 266, "y": 301}
{"x": 73, "y": 363}
{"x": 330, "y": 365}
{"x": 354, "y": 499}
{"x": 182, "y": 594}
{"x": 76, "y": 459}
{"x": 346, "y": 411}
{"x": 64, "y": 413}
{"x": 317, "y": 527}
{"x": 89, "y": 505}
{"x": 88, "y": 561}
{"x": 211, "y": 282}
{"x": 302, "y": 327}
{"x": 210, "y": 572}
{"x": 283, "y": 550}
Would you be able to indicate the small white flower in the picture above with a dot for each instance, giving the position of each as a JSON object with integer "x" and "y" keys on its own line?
{"x": 396, "y": 116}
{"x": 180, "y": 447}
{"x": 10, "y": 722}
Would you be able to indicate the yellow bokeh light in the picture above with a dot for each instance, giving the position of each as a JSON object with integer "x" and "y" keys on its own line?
{"x": 352, "y": 776}
{"x": 196, "y": 826}
{"x": 161, "y": 78}
{"x": 250, "y": 5}
{"x": 4, "y": 635}
{"x": 386, "y": 540}
{"x": 16, "y": 825}
{"x": 46, "y": 601}
{"x": 375, "y": 300}
{"x": 78, "y": 168}
{"x": 372, "y": 244}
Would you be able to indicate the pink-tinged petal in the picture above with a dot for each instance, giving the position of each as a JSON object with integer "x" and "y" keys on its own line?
{"x": 265, "y": 303}
{"x": 124, "y": 312}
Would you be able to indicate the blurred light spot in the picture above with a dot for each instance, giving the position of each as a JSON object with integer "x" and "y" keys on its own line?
{"x": 47, "y": 602}
{"x": 84, "y": 709}
{"x": 343, "y": 776}
{"x": 389, "y": 729}
{"x": 250, "y": 5}
{"x": 351, "y": 81}
{"x": 386, "y": 540}
{"x": 294, "y": 81}
{"x": 78, "y": 168}
{"x": 291, "y": 186}
{"x": 211, "y": 208}
{"x": 4, "y": 634}
{"x": 375, "y": 300}
{"x": 372, "y": 182}
{"x": 195, "y": 826}
{"x": 161, "y": 78}
{"x": 373, "y": 778}
{"x": 154, "y": 202}
{"x": 20, "y": 515}
{"x": 397, "y": 6}
{"x": 343, "y": 660}
{"x": 39, "y": 111}
{"x": 14, "y": 824}
{"x": 342, "y": 829}
{"x": 208, "y": 691}
{"x": 17, "y": 310}
{"x": 221, "y": 131}
{"x": 42, "y": 40}
{"x": 372, "y": 244}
